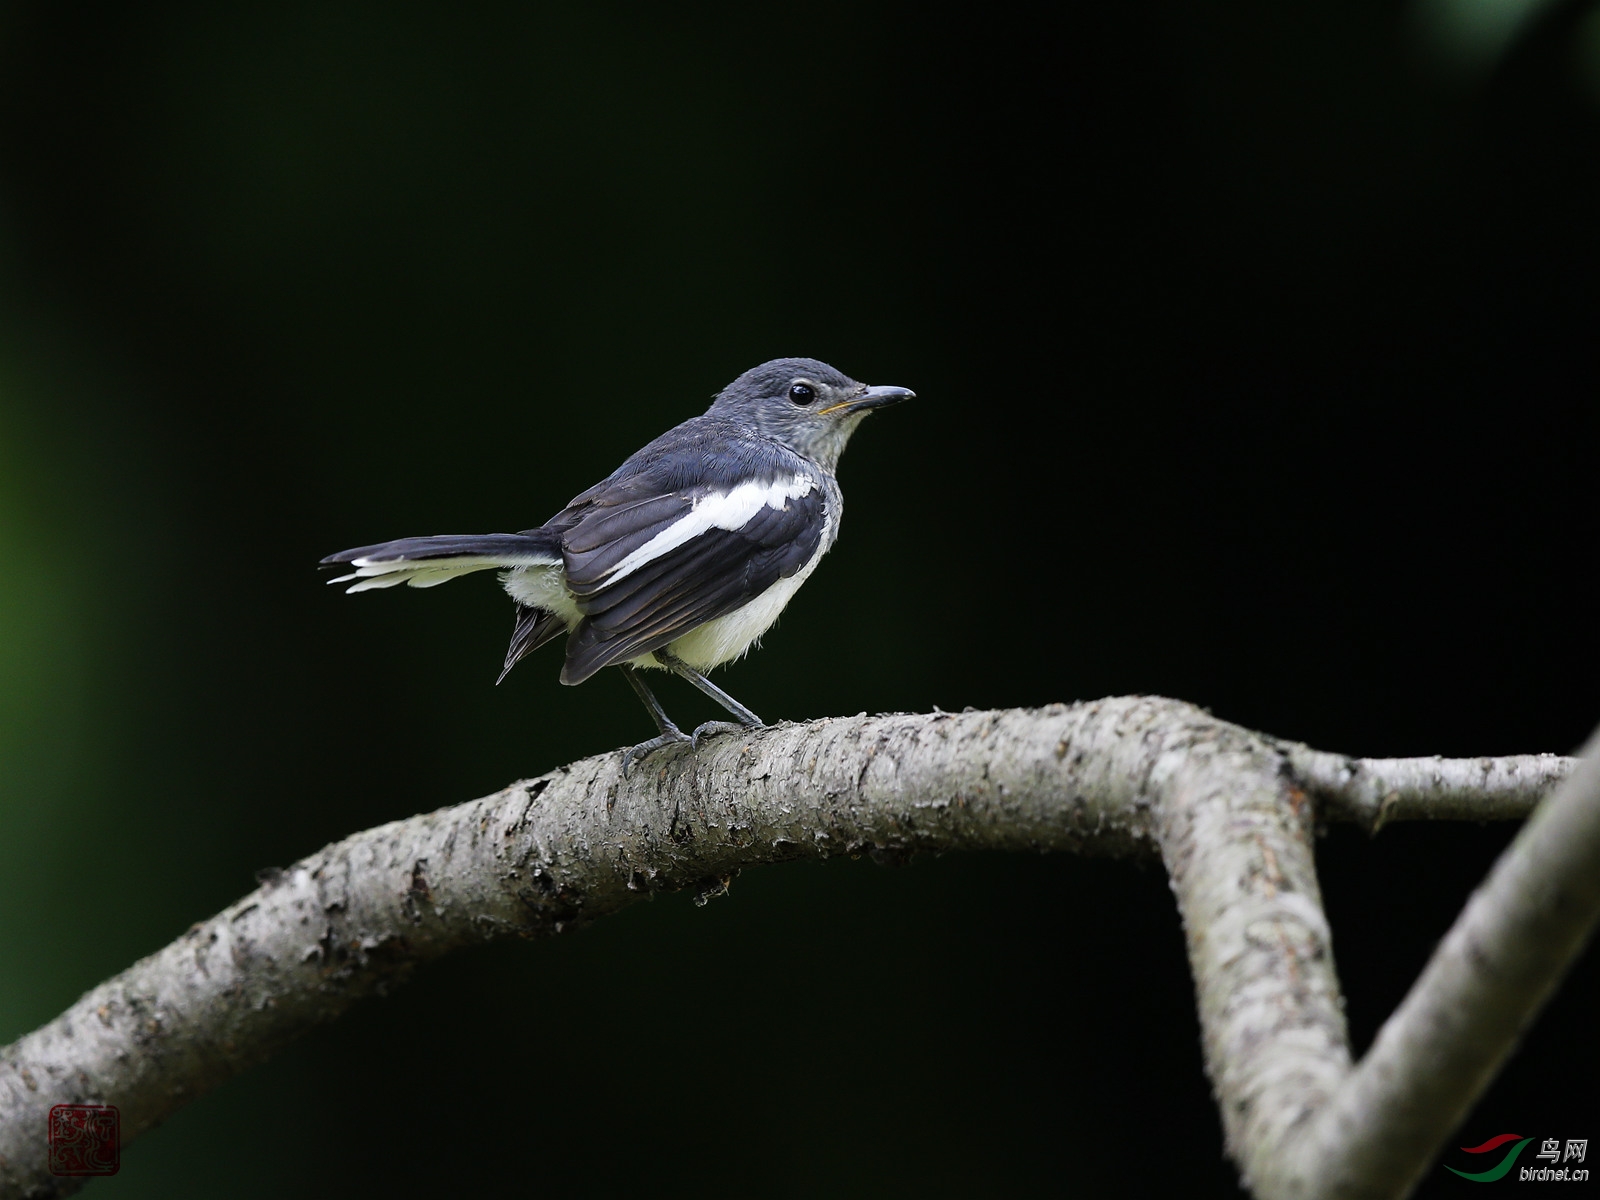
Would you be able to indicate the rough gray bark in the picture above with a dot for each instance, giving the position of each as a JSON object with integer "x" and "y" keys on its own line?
{"x": 1230, "y": 812}
{"x": 1477, "y": 995}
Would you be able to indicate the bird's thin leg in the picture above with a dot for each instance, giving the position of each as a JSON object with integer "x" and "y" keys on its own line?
{"x": 657, "y": 713}
{"x": 670, "y": 733}
{"x": 747, "y": 719}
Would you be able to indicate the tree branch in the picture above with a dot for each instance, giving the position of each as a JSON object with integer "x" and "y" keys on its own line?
{"x": 1231, "y": 813}
{"x": 1371, "y": 792}
{"x": 1480, "y": 991}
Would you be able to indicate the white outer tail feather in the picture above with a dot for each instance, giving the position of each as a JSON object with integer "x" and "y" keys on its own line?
{"x": 431, "y": 572}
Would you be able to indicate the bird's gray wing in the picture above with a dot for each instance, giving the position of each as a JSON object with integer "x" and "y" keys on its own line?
{"x": 649, "y": 564}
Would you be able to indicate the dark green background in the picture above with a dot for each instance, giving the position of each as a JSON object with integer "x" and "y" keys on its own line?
{"x": 1256, "y": 357}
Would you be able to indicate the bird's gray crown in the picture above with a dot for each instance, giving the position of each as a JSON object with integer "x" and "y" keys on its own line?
{"x": 803, "y": 404}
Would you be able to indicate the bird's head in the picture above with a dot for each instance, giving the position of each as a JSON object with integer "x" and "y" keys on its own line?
{"x": 803, "y": 404}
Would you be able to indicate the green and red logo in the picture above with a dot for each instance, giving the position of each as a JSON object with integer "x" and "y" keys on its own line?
{"x": 1501, "y": 1168}
{"x": 1564, "y": 1162}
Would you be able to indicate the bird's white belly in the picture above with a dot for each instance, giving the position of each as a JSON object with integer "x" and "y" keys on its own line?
{"x": 729, "y": 636}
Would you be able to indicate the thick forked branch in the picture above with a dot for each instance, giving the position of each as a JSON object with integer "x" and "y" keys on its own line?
{"x": 1230, "y": 811}
{"x": 1483, "y": 985}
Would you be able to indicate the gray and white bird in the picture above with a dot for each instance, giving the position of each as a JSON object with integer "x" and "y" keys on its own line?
{"x": 682, "y": 557}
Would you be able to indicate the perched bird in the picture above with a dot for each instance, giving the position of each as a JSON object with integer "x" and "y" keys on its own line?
{"x": 682, "y": 557}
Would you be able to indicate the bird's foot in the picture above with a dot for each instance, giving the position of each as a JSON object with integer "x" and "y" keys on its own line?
{"x": 712, "y": 728}
{"x": 670, "y": 737}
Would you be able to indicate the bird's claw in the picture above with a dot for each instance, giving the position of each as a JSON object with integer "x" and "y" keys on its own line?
{"x": 712, "y": 728}
{"x": 634, "y": 753}
{"x": 676, "y": 737}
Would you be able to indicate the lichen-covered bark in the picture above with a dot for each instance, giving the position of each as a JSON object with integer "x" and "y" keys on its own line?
{"x": 1229, "y": 811}
{"x": 1374, "y": 791}
{"x": 1236, "y": 836}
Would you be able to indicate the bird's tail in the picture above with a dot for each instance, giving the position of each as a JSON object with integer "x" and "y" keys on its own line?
{"x": 429, "y": 561}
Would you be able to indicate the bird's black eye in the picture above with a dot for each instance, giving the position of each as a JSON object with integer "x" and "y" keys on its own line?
{"x": 802, "y": 393}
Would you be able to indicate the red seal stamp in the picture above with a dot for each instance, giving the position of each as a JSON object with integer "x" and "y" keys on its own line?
{"x": 85, "y": 1139}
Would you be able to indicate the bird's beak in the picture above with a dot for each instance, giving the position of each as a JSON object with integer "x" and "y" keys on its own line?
{"x": 872, "y": 397}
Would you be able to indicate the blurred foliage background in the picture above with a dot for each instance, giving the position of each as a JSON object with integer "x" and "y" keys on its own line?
{"x": 1256, "y": 355}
